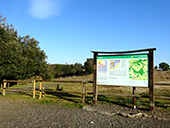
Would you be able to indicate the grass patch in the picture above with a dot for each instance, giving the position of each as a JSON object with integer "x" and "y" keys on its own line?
{"x": 49, "y": 101}
{"x": 22, "y": 85}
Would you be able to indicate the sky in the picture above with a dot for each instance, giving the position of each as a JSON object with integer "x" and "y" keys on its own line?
{"x": 68, "y": 30}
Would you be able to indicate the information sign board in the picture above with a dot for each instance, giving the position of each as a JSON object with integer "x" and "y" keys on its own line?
{"x": 123, "y": 70}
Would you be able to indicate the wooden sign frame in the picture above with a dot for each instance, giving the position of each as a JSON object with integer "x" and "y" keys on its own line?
{"x": 150, "y": 65}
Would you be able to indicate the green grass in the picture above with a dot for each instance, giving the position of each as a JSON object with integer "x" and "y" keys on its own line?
{"x": 22, "y": 85}
{"x": 75, "y": 100}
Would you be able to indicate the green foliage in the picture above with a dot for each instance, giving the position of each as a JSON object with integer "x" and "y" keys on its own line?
{"x": 66, "y": 69}
{"x": 20, "y": 57}
{"x": 78, "y": 67}
{"x": 89, "y": 65}
{"x": 48, "y": 73}
{"x": 164, "y": 66}
{"x": 58, "y": 69}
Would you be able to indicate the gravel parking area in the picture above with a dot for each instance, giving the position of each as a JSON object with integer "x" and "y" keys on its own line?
{"x": 28, "y": 114}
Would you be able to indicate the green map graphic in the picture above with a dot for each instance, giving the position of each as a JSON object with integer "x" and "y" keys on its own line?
{"x": 138, "y": 69}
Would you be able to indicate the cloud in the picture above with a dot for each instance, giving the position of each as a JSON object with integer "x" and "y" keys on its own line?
{"x": 42, "y": 9}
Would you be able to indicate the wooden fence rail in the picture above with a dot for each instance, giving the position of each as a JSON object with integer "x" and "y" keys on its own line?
{"x": 163, "y": 84}
{"x": 19, "y": 81}
{"x": 64, "y": 81}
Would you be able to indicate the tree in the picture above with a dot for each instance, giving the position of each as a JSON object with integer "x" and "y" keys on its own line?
{"x": 89, "y": 65}
{"x": 73, "y": 69}
{"x": 20, "y": 57}
{"x": 10, "y": 53}
{"x": 48, "y": 72}
{"x": 156, "y": 67}
{"x": 58, "y": 69}
{"x": 164, "y": 66}
{"x": 36, "y": 63}
{"x": 78, "y": 67}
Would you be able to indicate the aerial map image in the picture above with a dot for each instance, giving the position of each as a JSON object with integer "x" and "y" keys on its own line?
{"x": 138, "y": 69}
{"x": 113, "y": 64}
{"x": 102, "y": 65}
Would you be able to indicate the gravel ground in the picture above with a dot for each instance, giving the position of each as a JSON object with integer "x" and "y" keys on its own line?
{"x": 25, "y": 113}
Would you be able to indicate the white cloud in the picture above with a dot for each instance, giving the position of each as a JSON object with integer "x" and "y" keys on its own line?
{"x": 42, "y": 9}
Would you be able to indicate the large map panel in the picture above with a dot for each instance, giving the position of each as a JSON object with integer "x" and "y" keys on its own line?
{"x": 124, "y": 70}
{"x": 138, "y": 69}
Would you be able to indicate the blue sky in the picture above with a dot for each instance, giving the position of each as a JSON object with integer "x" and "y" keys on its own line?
{"x": 68, "y": 30}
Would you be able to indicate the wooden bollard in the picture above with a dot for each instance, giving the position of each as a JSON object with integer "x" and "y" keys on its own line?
{"x": 58, "y": 86}
{"x": 43, "y": 92}
{"x": 68, "y": 85}
{"x": 34, "y": 89}
{"x": 40, "y": 91}
{"x": 84, "y": 91}
{"x": 134, "y": 98}
{"x": 4, "y": 86}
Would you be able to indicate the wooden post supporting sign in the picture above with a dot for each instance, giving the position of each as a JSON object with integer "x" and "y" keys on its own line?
{"x": 94, "y": 80}
{"x": 151, "y": 82}
{"x": 134, "y": 98}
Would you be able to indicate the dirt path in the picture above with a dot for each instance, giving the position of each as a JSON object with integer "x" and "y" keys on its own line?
{"x": 28, "y": 114}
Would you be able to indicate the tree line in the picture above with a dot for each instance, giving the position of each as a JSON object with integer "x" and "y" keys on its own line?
{"x": 73, "y": 69}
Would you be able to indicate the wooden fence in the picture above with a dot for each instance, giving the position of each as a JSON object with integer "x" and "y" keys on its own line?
{"x": 61, "y": 81}
{"x": 5, "y": 83}
{"x": 134, "y": 93}
{"x": 42, "y": 90}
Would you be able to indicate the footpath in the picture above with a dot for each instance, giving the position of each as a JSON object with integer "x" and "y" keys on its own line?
{"x": 28, "y": 114}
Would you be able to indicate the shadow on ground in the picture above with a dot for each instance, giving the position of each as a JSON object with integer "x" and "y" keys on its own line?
{"x": 64, "y": 95}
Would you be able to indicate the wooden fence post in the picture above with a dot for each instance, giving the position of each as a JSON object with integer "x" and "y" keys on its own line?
{"x": 134, "y": 98}
{"x": 8, "y": 85}
{"x": 40, "y": 91}
{"x": 1, "y": 84}
{"x": 34, "y": 89}
{"x": 68, "y": 85}
{"x": 43, "y": 92}
{"x": 4, "y": 86}
{"x": 84, "y": 91}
